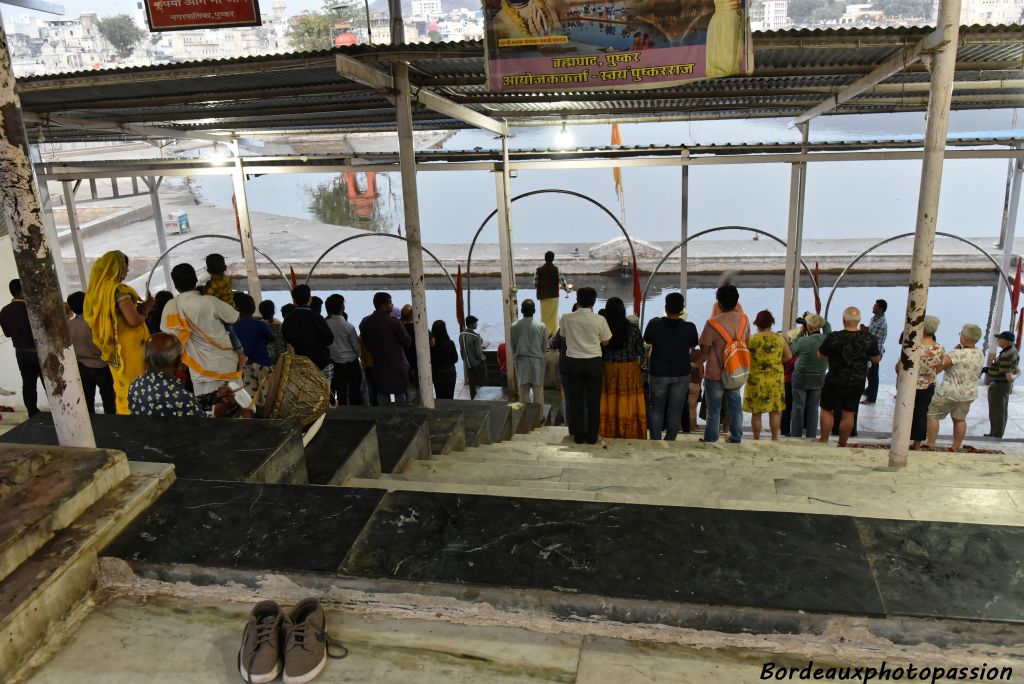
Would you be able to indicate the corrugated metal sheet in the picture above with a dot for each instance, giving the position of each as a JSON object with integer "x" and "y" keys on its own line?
{"x": 794, "y": 70}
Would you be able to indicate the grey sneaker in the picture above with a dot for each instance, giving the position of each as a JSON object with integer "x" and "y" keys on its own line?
{"x": 305, "y": 642}
{"x": 259, "y": 658}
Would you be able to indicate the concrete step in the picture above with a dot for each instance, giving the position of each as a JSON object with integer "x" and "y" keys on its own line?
{"x": 401, "y": 437}
{"x": 44, "y": 489}
{"x": 501, "y": 425}
{"x": 343, "y": 449}
{"x": 45, "y": 589}
{"x": 447, "y": 427}
{"x": 226, "y": 450}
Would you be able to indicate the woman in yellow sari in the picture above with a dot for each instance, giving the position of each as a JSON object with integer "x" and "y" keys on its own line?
{"x": 117, "y": 317}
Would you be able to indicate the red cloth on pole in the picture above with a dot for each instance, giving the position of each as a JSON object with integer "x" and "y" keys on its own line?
{"x": 1015, "y": 296}
{"x": 291, "y": 274}
{"x": 238, "y": 222}
{"x": 817, "y": 286}
{"x": 460, "y": 312}
{"x": 638, "y": 293}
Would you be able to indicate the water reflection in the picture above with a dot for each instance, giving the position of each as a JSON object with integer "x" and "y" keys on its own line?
{"x": 358, "y": 200}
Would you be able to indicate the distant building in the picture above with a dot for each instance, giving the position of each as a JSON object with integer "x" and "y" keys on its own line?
{"x": 991, "y": 12}
{"x": 426, "y": 9}
{"x": 862, "y": 15}
{"x": 769, "y": 15}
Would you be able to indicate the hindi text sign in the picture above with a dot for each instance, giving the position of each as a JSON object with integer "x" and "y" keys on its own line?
{"x": 613, "y": 44}
{"x": 180, "y": 15}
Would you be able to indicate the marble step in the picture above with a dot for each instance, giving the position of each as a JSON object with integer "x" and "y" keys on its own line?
{"x": 401, "y": 437}
{"x": 501, "y": 425}
{"x": 46, "y": 589}
{"x": 477, "y": 424}
{"x": 886, "y": 509}
{"x": 44, "y": 489}
{"x": 200, "y": 448}
{"x": 343, "y": 449}
{"x": 447, "y": 427}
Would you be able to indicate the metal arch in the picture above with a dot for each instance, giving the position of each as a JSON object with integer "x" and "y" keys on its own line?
{"x": 650, "y": 279}
{"x": 545, "y": 191}
{"x": 215, "y": 237}
{"x": 339, "y": 243}
{"x": 835, "y": 285}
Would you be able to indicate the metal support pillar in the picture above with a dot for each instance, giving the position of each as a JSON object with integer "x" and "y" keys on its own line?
{"x": 414, "y": 243}
{"x": 20, "y": 216}
{"x": 245, "y": 228}
{"x": 943, "y": 69}
{"x": 509, "y": 291}
{"x": 76, "y": 236}
{"x": 1007, "y": 233}
{"x": 153, "y": 183}
{"x": 794, "y": 238}
{"x": 684, "y": 227}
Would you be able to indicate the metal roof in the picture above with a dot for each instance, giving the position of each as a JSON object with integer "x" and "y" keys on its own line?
{"x": 794, "y": 70}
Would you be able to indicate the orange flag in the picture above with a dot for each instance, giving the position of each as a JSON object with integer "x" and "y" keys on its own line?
{"x": 460, "y": 313}
{"x": 616, "y": 171}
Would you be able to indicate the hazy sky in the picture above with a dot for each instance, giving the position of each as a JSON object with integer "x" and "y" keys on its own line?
{"x": 72, "y": 8}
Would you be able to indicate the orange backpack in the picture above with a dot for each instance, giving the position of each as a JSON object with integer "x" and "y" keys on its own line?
{"x": 736, "y": 358}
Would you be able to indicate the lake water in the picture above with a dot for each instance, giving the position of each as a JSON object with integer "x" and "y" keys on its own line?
{"x": 848, "y": 199}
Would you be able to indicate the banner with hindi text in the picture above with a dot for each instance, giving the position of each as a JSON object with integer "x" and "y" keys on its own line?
{"x": 181, "y": 15}
{"x": 566, "y": 45}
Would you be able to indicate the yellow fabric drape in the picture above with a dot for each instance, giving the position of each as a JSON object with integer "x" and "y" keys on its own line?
{"x": 120, "y": 344}
{"x": 101, "y": 304}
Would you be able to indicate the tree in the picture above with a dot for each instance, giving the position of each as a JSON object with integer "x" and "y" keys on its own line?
{"x": 315, "y": 30}
{"x": 435, "y": 36}
{"x": 916, "y": 9}
{"x": 815, "y": 11}
{"x": 121, "y": 32}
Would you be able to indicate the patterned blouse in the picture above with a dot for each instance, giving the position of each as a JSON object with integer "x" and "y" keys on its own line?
{"x": 931, "y": 360}
{"x": 159, "y": 395}
{"x": 632, "y": 350}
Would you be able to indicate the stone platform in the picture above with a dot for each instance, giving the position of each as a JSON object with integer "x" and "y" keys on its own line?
{"x": 201, "y": 448}
{"x": 789, "y": 562}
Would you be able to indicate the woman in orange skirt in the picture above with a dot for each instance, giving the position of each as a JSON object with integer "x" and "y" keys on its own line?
{"x": 623, "y": 409}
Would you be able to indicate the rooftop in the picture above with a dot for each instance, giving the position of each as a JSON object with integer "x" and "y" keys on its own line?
{"x": 795, "y": 70}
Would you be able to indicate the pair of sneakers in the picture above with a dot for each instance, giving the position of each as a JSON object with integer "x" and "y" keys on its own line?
{"x": 295, "y": 643}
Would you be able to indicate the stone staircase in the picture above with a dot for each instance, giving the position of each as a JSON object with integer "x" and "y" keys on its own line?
{"x": 790, "y": 475}
{"x": 59, "y": 507}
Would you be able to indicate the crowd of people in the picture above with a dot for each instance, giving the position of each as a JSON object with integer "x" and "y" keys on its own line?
{"x": 804, "y": 379}
{"x": 194, "y": 352}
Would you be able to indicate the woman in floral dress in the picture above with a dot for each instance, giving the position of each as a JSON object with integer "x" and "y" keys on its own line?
{"x": 930, "y": 362}
{"x": 765, "y": 391}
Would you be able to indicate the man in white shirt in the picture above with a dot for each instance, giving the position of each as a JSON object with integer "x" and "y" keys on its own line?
{"x": 585, "y": 334}
{"x": 959, "y": 387}
{"x": 198, "y": 321}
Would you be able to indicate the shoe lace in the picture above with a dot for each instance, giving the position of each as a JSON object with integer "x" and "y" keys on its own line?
{"x": 264, "y": 635}
{"x": 297, "y": 636}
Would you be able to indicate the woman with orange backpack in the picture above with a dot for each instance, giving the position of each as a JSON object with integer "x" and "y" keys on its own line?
{"x": 723, "y": 347}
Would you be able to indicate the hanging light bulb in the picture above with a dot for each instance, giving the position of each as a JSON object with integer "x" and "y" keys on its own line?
{"x": 564, "y": 138}
{"x": 218, "y": 155}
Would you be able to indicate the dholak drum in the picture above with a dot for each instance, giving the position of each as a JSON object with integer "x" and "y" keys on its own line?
{"x": 295, "y": 389}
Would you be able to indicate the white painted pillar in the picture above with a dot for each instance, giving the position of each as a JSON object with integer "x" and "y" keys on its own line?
{"x": 684, "y": 226}
{"x": 35, "y": 259}
{"x": 153, "y": 183}
{"x": 49, "y": 225}
{"x": 943, "y": 69}
{"x": 76, "y": 235}
{"x": 794, "y": 238}
{"x": 1007, "y": 233}
{"x": 413, "y": 243}
{"x": 245, "y": 228}
{"x": 509, "y": 291}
